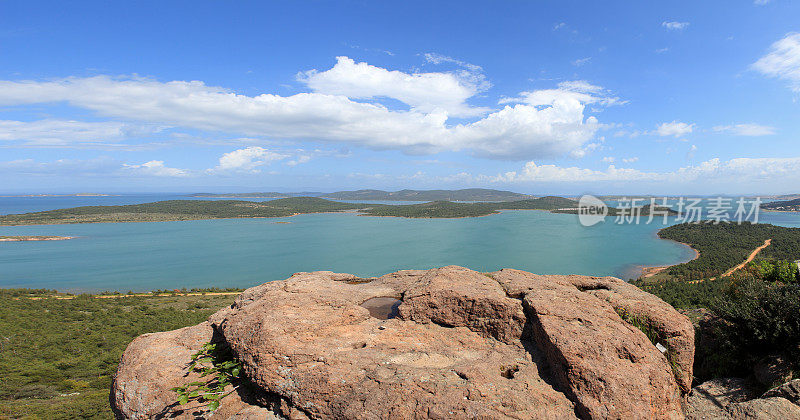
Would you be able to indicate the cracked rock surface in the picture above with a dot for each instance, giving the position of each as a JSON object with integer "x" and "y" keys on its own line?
{"x": 443, "y": 343}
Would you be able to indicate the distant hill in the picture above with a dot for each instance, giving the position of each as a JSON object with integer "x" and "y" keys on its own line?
{"x": 447, "y": 209}
{"x": 788, "y": 205}
{"x": 782, "y": 197}
{"x": 470, "y": 194}
{"x": 175, "y": 210}
{"x": 257, "y": 195}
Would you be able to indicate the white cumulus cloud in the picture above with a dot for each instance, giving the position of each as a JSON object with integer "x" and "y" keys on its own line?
{"x": 155, "y": 168}
{"x": 674, "y": 128}
{"x": 425, "y": 92}
{"x": 542, "y": 124}
{"x": 246, "y": 160}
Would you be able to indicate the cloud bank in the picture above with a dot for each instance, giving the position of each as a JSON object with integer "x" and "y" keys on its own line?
{"x": 342, "y": 107}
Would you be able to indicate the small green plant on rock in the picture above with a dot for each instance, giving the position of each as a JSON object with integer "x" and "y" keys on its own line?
{"x": 215, "y": 363}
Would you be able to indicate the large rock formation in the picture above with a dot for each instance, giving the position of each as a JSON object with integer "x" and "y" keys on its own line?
{"x": 443, "y": 343}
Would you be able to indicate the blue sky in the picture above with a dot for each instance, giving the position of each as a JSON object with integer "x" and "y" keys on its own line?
{"x": 534, "y": 96}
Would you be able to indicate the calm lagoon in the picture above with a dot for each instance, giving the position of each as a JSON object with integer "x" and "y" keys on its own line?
{"x": 246, "y": 252}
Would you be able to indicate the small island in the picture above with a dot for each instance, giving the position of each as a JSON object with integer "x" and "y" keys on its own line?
{"x": 34, "y": 238}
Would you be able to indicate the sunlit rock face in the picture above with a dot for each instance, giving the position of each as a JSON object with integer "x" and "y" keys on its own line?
{"x": 443, "y": 343}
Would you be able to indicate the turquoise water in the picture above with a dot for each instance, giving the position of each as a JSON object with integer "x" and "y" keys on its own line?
{"x": 246, "y": 252}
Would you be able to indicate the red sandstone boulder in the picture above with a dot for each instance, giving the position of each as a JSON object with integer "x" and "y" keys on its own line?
{"x": 443, "y": 343}
{"x": 155, "y": 363}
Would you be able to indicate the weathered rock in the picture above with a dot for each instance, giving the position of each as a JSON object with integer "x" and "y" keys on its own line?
{"x": 790, "y": 390}
{"x": 610, "y": 368}
{"x": 155, "y": 363}
{"x": 734, "y": 398}
{"x": 312, "y": 343}
{"x": 458, "y": 297}
{"x": 774, "y": 408}
{"x": 459, "y": 345}
{"x": 674, "y": 330}
{"x": 711, "y": 399}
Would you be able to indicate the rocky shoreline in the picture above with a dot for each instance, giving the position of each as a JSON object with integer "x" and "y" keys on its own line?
{"x": 34, "y": 238}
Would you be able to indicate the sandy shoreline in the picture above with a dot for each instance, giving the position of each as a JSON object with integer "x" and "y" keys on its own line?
{"x": 650, "y": 271}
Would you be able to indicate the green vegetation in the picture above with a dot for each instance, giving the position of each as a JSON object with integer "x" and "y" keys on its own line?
{"x": 256, "y": 195}
{"x": 627, "y": 212}
{"x": 435, "y": 209}
{"x": 218, "y": 369}
{"x": 748, "y": 316}
{"x": 744, "y": 318}
{"x": 776, "y": 270}
{"x": 723, "y": 246}
{"x": 178, "y": 210}
{"x": 757, "y": 319}
{"x": 686, "y": 295}
{"x": 58, "y": 352}
{"x": 470, "y": 194}
{"x": 447, "y": 209}
{"x": 543, "y": 203}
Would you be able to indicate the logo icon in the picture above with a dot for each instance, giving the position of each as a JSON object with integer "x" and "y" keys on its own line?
{"x": 591, "y": 210}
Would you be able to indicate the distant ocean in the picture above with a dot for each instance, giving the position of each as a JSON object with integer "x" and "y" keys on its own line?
{"x": 247, "y": 252}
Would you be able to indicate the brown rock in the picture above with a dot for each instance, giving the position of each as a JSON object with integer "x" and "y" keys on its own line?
{"x": 773, "y": 408}
{"x": 154, "y": 363}
{"x": 733, "y": 398}
{"x": 444, "y": 343}
{"x": 609, "y": 367}
{"x": 675, "y": 331}
{"x": 458, "y": 297}
{"x": 313, "y": 343}
{"x": 711, "y": 399}
{"x": 790, "y": 390}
